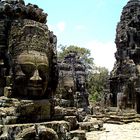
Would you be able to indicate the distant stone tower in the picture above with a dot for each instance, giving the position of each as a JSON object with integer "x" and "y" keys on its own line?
{"x": 72, "y": 90}
{"x": 125, "y": 76}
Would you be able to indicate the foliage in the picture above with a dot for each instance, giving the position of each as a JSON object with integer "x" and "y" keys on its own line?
{"x": 97, "y": 81}
{"x": 83, "y": 53}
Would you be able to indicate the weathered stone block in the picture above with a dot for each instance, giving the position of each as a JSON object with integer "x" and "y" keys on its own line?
{"x": 60, "y": 112}
{"x": 80, "y": 134}
{"x": 91, "y": 126}
{"x": 40, "y": 109}
{"x": 73, "y": 122}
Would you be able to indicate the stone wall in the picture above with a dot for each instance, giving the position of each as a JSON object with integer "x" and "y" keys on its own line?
{"x": 125, "y": 74}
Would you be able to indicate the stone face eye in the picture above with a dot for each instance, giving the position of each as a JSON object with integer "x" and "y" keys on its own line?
{"x": 43, "y": 71}
{"x": 28, "y": 69}
{"x": 18, "y": 70}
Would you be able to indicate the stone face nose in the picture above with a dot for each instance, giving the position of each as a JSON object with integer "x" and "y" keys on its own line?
{"x": 70, "y": 90}
{"x": 36, "y": 76}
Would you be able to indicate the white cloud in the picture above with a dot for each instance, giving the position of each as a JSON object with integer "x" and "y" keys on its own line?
{"x": 103, "y": 53}
{"x": 61, "y": 26}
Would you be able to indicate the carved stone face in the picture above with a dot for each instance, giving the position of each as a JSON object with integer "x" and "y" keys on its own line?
{"x": 69, "y": 87}
{"x": 31, "y": 74}
{"x": 81, "y": 82}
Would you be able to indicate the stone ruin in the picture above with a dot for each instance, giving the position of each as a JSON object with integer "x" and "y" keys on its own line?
{"x": 125, "y": 76}
{"x": 71, "y": 98}
{"x": 121, "y": 98}
{"x": 29, "y": 78}
{"x": 28, "y": 67}
{"x": 72, "y": 90}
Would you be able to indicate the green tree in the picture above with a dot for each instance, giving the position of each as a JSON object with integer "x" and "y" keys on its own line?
{"x": 97, "y": 82}
{"x": 83, "y": 53}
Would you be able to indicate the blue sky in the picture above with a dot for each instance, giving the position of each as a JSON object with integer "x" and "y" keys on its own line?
{"x": 85, "y": 23}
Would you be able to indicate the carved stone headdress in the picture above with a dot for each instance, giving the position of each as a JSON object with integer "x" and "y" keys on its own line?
{"x": 27, "y": 35}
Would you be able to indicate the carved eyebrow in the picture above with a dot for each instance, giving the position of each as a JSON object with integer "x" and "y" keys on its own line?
{"x": 43, "y": 63}
{"x": 27, "y": 63}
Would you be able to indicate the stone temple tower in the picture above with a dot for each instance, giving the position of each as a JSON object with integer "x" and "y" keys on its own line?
{"x": 125, "y": 76}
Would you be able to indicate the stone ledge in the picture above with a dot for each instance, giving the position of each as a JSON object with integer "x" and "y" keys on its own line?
{"x": 79, "y": 134}
{"x": 60, "y": 127}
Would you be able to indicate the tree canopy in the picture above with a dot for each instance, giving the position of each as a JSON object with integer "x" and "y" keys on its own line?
{"x": 97, "y": 82}
{"x": 83, "y": 53}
